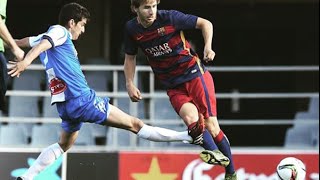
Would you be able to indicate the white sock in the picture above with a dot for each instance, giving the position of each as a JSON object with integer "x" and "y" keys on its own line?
{"x": 45, "y": 159}
{"x": 162, "y": 134}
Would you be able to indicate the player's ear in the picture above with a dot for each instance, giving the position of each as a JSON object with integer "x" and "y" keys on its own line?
{"x": 71, "y": 23}
{"x": 133, "y": 9}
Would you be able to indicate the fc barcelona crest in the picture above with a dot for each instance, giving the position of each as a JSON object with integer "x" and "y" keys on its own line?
{"x": 162, "y": 31}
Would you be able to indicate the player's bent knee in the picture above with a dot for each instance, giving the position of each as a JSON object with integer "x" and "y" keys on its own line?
{"x": 189, "y": 119}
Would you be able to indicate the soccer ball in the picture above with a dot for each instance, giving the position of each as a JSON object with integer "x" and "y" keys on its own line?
{"x": 291, "y": 168}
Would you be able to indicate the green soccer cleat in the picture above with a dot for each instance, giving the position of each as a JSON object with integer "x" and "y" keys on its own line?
{"x": 214, "y": 157}
{"x": 231, "y": 176}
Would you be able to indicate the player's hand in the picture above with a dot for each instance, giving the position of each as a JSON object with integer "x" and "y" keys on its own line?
{"x": 134, "y": 93}
{"x": 16, "y": 68}
{"x": 208, "y": 55}
{"x": 18, "y": 53}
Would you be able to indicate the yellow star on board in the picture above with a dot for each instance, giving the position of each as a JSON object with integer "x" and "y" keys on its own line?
{"x": 154, "y": 173}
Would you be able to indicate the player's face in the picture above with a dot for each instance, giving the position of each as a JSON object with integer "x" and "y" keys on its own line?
{"x": 78, "y": 28}
{"x": 147, "y": 12}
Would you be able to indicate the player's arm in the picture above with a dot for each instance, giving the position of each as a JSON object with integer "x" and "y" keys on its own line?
{"x": 18, "y": 67}
{"x": 206, "y": 28}
{"x": 9, "y": 41}
{"x": 23, "y": 43}
{"x": 129, "y": 71}
{"x": 129, "y": 68}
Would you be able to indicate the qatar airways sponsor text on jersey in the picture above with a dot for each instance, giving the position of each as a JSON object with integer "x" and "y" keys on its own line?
{"x": 159, "y": 50}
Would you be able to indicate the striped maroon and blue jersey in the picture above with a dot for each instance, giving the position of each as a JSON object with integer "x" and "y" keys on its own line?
{"x": 169, "y": 53}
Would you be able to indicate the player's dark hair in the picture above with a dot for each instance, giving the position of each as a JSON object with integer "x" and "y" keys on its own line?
{"x": 137, "y": 3}
{"x": 73, "y": 11}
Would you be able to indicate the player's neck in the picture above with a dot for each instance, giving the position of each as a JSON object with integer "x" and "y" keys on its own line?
{"x": 143, "y": 23}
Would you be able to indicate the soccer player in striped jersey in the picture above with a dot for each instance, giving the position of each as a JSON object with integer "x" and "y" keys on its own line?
{"x": 76, "y": 102}
{"x": 159, "y": 34}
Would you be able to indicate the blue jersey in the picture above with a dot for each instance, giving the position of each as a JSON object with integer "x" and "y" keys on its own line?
{"x": 76, "y": 102}
{"x": 169, "y": 53}
{"x": 65, "y": 77}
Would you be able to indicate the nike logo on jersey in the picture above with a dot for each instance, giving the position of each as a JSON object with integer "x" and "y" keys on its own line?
{"x": 139, "y": 38}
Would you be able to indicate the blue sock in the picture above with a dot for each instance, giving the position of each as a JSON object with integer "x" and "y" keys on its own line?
{"x": 208, "y": 142}
{"x": 224, "y": 147}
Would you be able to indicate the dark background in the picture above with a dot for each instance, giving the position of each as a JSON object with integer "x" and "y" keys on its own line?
{"x": 246, "y": 33}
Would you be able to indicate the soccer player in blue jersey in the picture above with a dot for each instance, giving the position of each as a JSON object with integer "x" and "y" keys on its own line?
{"x": 75, "y": 101}
{"x": 159, "y": 34}
{"x": 5, "y": 37}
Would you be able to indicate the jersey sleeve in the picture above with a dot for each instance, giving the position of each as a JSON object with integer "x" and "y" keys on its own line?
{"x": 34, "y": 40}
{"x": 130, "y": 46}
{"x": 56, "y": 35}
{"x": 3, "y": 8}
{"x": 183, "y": 21}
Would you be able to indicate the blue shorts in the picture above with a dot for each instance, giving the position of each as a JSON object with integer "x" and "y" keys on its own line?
{"x": 85, "y": 108}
